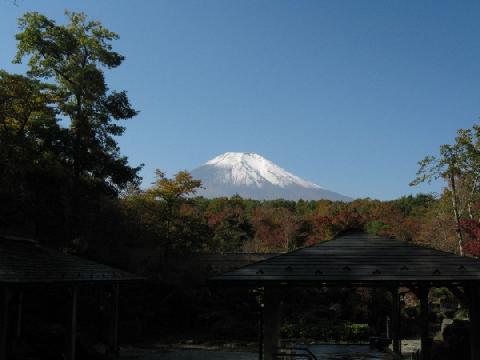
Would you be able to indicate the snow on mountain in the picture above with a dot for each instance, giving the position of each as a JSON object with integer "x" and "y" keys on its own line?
{"x": 253, "y": 169}
{"x": 252, "y": 176}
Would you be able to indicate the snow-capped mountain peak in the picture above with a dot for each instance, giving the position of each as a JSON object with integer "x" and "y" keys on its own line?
{"x": 253, "y": 169}
{"x": 252, "y": 176}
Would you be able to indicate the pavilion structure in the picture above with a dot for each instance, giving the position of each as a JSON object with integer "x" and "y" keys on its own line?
{"x": 361, "y": 260}
{"x": 25, "y": 264}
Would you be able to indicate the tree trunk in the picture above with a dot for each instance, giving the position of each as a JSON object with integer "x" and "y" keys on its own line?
{"x": 166, "y": 251}
{"x": 470, "y": 213}
{"x": 458, "y": 230}
{"x": 471, "y": 196}
{"x": 77, "y": 169}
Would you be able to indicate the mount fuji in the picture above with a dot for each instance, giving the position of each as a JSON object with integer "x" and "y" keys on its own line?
{"x": 254, "y": 177}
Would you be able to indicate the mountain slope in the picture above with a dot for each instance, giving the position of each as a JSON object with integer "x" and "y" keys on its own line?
{"x": 252, "y": 176}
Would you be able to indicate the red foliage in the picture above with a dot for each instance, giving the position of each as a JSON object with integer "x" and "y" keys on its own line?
{"x": 215, "y": 218}
{"x": 471, "y": 229}
{"x": 473, "y": 248}
{"x": 347, "y": 219}
{"x": 276, "y": 228}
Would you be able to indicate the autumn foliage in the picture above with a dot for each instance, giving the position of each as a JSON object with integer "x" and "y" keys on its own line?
{"x": 471, "y": 229}
{"x": 242, "y": 225}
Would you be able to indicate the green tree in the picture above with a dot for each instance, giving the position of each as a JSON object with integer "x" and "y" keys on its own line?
{"x": 74, "y": 56}
{"x": 231, "y": 231}
{"x": 172, "y": 192}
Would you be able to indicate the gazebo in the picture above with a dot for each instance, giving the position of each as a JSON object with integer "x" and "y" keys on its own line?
{"x": 357, "y": 259}
{"x": 26, "y": 264}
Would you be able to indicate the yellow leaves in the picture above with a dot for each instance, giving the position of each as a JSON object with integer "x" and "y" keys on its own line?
{"x": 176, "y": 188}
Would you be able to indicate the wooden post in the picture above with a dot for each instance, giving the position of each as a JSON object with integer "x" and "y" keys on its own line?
{"x": 17, "y": 320}
{"x": 271, "y": 323}
{"x": 4, "y": 325}
{"x": 19, "y": 317}
{"x": 113, "y": 338}
{"x": 424, "y": 331}
{"x": 396, "y": 321}
{"x": 72, "y": 333}
{"x": 260, "y": 330}
{"x": 474, "y": 323}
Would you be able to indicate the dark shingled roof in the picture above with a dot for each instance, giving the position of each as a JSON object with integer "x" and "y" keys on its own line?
{"x": 359, "y": 258}
{"x": 24, "y": 261}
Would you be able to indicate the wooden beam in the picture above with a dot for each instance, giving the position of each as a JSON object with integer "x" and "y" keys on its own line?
{"x": 424, "y": 330}
{"x": 17, "y": 320}
{"x": 5, "y": 324}
{"x": 271, "y": 323}
{"x": 396, "y": 321}
{"x": 474, "y": 322}
{"x": 113, "y": 338}
{"x": 72, "y": 333}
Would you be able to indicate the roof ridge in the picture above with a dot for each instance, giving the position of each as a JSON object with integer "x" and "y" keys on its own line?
{"x": 18, "y": 238}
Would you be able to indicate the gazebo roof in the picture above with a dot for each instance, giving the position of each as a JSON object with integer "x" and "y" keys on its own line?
{"x": 358, "y": 258}
{"x": 25, "y": 261}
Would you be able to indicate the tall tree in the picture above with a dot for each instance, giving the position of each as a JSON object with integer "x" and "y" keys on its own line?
{"x": 450, "y": 166}
{"x": 74, "y": 56}
{"x": 468, "y": 140}
{"x": 31, "y": 152}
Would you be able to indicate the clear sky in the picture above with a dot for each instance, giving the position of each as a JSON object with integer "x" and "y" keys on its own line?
{"x": 348, "y": 94}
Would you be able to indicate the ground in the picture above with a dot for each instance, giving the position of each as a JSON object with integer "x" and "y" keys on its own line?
{"x": 323, "y": 352}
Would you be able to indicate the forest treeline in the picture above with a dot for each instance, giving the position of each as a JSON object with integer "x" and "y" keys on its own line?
{"x": 64, "y": 181}
{"x": 242, "y": 225}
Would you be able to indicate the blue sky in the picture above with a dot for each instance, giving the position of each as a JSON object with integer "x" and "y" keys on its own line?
{"x": 348, "y": 94}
